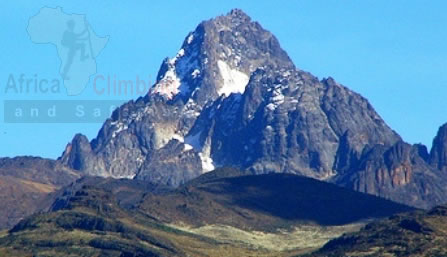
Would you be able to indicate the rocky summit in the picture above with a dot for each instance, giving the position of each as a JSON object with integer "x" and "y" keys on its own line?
{"x": 231, "y": 96}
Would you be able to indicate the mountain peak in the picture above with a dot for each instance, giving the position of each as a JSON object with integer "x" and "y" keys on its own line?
{"x": 218, "y": 59}
{"x": 231, "y": 96}
{"x": 236, "y": 12}
{"x": 236, "y": 16}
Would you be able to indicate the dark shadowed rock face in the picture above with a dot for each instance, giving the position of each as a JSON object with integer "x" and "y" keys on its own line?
{"x": 264, "y": 202}
{"x": 399, "y": 173}
{"x": 76, "y": 151}
{"x": 438, "y": 154}
{"x": 232, "y": 97}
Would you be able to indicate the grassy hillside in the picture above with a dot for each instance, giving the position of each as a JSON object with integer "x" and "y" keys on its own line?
{"x": 25, "y": 183}
{"x": 215, "y": 215}
{"x": 415, "y": 234}
{"x": 94, "y": 225}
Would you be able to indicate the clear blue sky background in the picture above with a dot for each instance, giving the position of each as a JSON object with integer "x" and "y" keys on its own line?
{"x": 392, "y": 52}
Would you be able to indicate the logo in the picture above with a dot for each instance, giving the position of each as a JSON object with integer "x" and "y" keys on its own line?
{"x": 77, "y": 44}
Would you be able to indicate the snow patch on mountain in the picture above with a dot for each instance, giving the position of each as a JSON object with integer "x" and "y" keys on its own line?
{"x": 178, "y": 138}
{"x": 234, "y": 81}
{"x": 190, "y": 38}
{"x": 276, "y": 100}
{"x": 191, "y": 108}
{"x": 195, "y": 73}
{"x": 169, "y": 85}
{"x": 207, "y": 162}
{"x": 118, "y": 126}
{"x": 204, "y": 150}
{"x": 181, "y": 139}
{"x": 131, "y": 176}
{"x": 173, "y": 81}
{"x": 205, "y": 156}
{"x": 187, "y": 147}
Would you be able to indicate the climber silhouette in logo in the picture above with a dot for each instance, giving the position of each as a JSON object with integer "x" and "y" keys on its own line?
{"x": 76, "y": 42}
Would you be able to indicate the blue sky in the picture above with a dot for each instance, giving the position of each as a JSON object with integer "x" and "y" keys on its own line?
{"x": 394, "y": 53}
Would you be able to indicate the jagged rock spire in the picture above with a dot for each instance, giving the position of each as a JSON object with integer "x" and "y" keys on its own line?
{"x": 438, "y": 153}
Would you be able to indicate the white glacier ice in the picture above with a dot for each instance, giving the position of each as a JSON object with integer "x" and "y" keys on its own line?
{"x": 234, "y": 81}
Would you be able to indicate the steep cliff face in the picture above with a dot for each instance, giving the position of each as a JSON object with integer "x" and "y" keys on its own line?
{"x": 232, "y": 97}
{"x": 399, "y": 173}
{"x": 438, "y": 153}
{"x": 288, "y": 121}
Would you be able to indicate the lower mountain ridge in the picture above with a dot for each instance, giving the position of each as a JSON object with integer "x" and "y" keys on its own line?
{"x": 415, "y": 234}
{"x": 264, "y": 202}
{"x": 222, "y": 213}
{"x": 26, "y": 183}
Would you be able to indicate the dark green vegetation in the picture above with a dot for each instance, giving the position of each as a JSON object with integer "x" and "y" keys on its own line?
{"x": 95, "y": 217}
{"x": 420, "y": 233}
{"x": 91, "y": 224}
